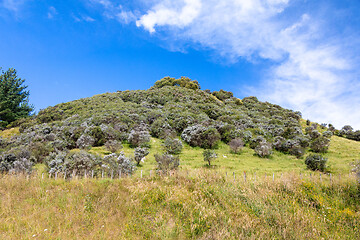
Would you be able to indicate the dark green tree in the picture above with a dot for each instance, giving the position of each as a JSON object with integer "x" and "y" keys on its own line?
{"x": 14, "y": 98}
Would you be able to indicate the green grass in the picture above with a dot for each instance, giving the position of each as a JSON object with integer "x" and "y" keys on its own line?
{"x": 340, "y": 155}
{"x": 202, "y": 206}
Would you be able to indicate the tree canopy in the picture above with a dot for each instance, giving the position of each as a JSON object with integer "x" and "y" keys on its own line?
{"x": 14, "y": 98}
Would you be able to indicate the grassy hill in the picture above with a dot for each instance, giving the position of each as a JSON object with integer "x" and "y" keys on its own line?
{"x": 198, "y": 201}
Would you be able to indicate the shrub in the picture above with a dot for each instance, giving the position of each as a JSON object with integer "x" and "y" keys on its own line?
{"x": 181, "y": 82}
{"x": 9, "y": 163}
{"x": 97, "y": 134}
{"x": 113, "y": 146}
{"x": 263, "y": 149}
{"x": 209, "y": 156}
{"x": 140, "y": 153}
{"x": 172, "y": 146}
{"x": 320, "y": 144}
{"x": 118, "y": 162}
{"x": 139, "y": 138}
{"x": 85, "y": 142}
{"x": 223, "y": 95}
{"x": 200, "y": 136}
{"x": 327, "y": 134}
{"x": 161, "y": 129}
{"x": 255, "y": 141}
{"x": 236, "y": 145}
{"x": 79, "y": 162}
{"x": 40, "y": 150}
{"x": 166, "y": 162}
{"x": 316, "y": 162}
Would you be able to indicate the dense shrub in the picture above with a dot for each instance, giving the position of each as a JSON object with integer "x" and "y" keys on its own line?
{"x": 161, "y": 129}
{"x": 200, "y": 136}
{"x": 172, "y": 146}
{"x": 40, "y": 150}
{"x": 320, "y": 144}
{"x": 166, "y": 162}
{"x": 139, "y": 154}
{"x": 118, "y": 162}
{"x": 9, "y": 163}
{"x": 316, "y": 162}
{"x": 113, "y": 146}
{"x": 263, "y": 149}
{"x": 182, "y": 82}
{"x": 209, "y": 156}
{"x": 139, "y": 138}
{"x": 85, "y": 142}
{"x": 223, "y": 95}
{"x": 97, "y": 134}
{"x": 236, "y": 145}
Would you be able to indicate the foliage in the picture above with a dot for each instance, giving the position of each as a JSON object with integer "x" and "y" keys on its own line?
{"x": 167, "y": 162}
{"x": 140, "y": 153}
{"x": 236, "y": 145}
{"x": 320, "y": 144}
{"x": 263, "y": 149}
{"x": 316, "y": 162}
{"x": 118, "y": 162}
{"x": 201, "y": 136}
{"x": 139, "y": 138}
{"x": 209, "y": 156}
{"x": 10, "y": 163}
{"x": 181, "y": 82}
{"x": 14, "y": 98}
{"x": 172, "y": 146}
{"x": 223, "y": 95}
{"x": 113, "y": 145}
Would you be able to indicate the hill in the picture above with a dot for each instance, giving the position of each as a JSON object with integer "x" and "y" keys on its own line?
{"x": 274, "y": 139}
{"x": 90, "y": 179}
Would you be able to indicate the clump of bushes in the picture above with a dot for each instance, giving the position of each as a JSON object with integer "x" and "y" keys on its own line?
{"x": 113, "y": 146}
{"x": 181, "y": 82}
{"x": 85, "y": 142}
{"x": 172, "y": 146}
{"x": 223, "y": 95}
{"x": 316, "y": 162}
{"x": 209, "y": 156}
{"x": 118, "y": 162}
{"x": 167, "y": 162}
{"x": 236, "y": 145}
{"x": 140, "y": 153}
{"x": 263, "y": 149}
{"x": 320, "y": 144}
{"x": 201, "y": 136}
{"x": 139, "y": 138}
{"x": 10, "y": 163}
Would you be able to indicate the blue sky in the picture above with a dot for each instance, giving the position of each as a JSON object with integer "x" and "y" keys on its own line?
{"x": 301, "y": 54}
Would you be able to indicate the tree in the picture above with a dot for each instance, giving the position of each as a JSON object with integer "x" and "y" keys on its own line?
{"x": 209, "y": 156}
{"x": 14, "y": 98}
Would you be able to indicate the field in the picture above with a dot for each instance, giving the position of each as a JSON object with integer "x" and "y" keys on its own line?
{"x": 197, "y": 202}
{"x": 203, "y": 205}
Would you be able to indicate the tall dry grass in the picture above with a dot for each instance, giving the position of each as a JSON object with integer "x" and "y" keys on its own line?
{"x": 199, "y": 205}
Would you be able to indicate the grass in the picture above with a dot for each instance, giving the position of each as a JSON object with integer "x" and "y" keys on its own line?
{"x": 204, "y": 205}
{"x": 8, "y": 133}
{"x": 340, "y": 155}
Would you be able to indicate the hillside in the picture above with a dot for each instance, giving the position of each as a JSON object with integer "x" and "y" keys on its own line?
{"x": 130, "y": 165}
{"x": 272, "y": 139}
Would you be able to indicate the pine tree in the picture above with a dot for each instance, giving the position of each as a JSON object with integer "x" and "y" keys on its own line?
{"x": 14, "y": 98}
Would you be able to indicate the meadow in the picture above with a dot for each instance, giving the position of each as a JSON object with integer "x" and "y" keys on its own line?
{"x": 202, "y": 205}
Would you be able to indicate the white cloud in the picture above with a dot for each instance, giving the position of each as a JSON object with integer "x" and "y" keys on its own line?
{"x": 52, "y": 12}
{"x": 168, "y": 13}
{"x": 310, "y": 72}
{"x": 13, "y": 5}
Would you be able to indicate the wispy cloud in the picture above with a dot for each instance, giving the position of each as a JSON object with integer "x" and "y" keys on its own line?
{"x": 116, "y": 11}
{"x": 51, "y": 12}
{"x": 310, "y": 71}
{"x": 12, "y": 5}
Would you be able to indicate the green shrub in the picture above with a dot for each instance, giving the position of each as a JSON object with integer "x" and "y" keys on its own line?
{"x": 236, "y": 145}
{"x": 209, "y": 156}
{"x": 320, "y": 144}
{"x": 172, "y": 146}
{"x": 316, "y": 162}
{"x": 139, "y": 154}
{"x": 263, "y": 149}
{"x": 113, "y": 146}
{"x": 166, "y": 162}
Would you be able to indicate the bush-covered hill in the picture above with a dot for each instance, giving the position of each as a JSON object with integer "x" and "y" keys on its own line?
{"x": 172, "y": 108}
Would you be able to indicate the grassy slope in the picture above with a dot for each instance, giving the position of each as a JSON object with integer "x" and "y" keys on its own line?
{"x": 341, "y": 153}
{"x": 202, "y": 206}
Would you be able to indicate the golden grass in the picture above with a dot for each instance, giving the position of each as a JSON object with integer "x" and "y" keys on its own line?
{"x": 8, "y": 133}
{"x": 203, "y": 205}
